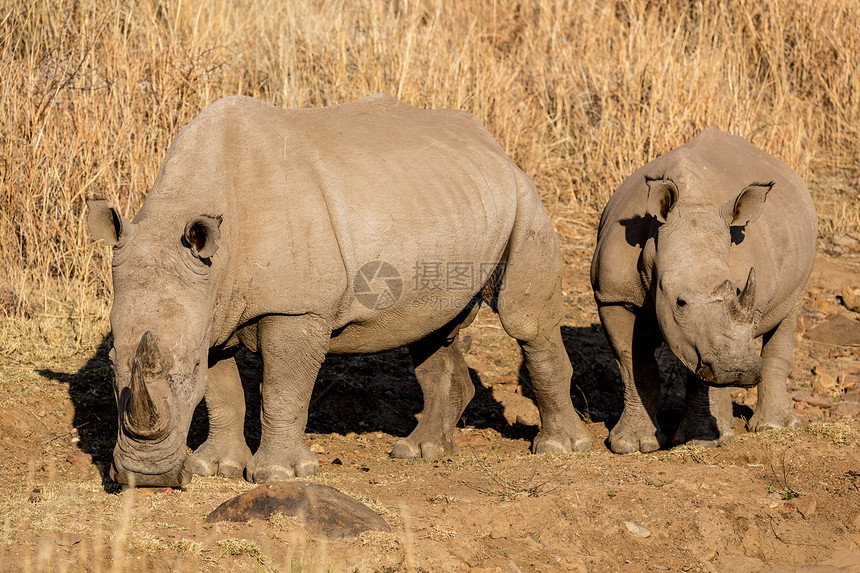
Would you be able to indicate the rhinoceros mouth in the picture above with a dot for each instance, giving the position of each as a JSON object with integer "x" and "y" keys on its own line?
{"x": 175, "y": 478}
{"x": 137, "y": 464}
{"x": 739, "y": 378}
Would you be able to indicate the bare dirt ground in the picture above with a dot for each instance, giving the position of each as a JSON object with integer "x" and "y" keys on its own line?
{"x": 779, "y": 501}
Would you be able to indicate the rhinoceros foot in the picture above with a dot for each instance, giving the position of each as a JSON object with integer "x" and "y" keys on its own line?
{"x": 428, "y": 441}
{"x": 405, "y": 448}
{"x": 635, "y": 435}
{"x": 705, "y": 433}
{"x": 225, "y": 460}
{"x": 763, "y": 421}
{"x": 287, "y": 464}
{"x": 572, "y": 439}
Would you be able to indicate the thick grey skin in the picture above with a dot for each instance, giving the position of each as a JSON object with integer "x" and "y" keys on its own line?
{"x": 670, "y": 237}
{"x": 253, "y": 233}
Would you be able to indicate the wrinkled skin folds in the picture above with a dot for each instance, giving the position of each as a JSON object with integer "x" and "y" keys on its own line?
{"x": 266, "y": 227}
{"x": 706, "y": 248}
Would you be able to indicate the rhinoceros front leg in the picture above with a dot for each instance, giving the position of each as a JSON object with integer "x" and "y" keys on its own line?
{"x": 447, "y": 388}
{"x": 708, "y": 417}
{"x": 293, "y": 349}
{"x": 633, "y": 341}
{"x": 773, "y": 409}
{"x": 224, "y": 452}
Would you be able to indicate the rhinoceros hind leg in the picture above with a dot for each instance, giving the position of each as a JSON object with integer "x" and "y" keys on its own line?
{"x": 773, "y": 410}
{"x": 708, "y": 417}
{"x": 293, "y": 349}
{"x": 530, "y": 308}
{"x": 447, "y": 388}
{"x": 224, "y": 452}
{"x": 549, "y": 368}
{"x": 633, "y": 339}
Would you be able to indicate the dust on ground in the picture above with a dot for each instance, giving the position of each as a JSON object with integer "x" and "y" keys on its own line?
{"x": 765, "y": 502}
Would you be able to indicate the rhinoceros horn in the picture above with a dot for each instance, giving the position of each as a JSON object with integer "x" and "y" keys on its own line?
{"x": 741, "y": 309}
{"x": 147, "y": 412}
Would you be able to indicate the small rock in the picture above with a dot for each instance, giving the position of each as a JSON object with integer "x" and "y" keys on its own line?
{"x": 850, "y": 378}
{"x": 637, "y": 529}
{"x": 836, "y": 330}
{"x": 818, "y": 400}
{"x": 851, "y": 298}
{"x": 852, "y": 396}
{"x": 151, "y": 491}
{"x": 824, "y": 382}
{"x": 336, "y": 462}
{"x": 805, "y": 505}
{"x": 35, "y": 495}
{"x": 68, "y": 539}
{"x": 804, "y": 322}
{"x": 317, "y": 448}
{"x": 845, "y": 242}
{"x": 845, "y": 410}
{"x": 465, "y": 343}
{"x": 78, "y": 458}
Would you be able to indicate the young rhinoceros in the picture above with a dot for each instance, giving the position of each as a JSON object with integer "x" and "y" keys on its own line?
{"x": 706, "y": 247}
{"x": 291, "y": 232}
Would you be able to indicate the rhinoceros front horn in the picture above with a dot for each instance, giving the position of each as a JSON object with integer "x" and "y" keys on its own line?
{"x": 742, "y": 308}
{"x": 147, "y": 411}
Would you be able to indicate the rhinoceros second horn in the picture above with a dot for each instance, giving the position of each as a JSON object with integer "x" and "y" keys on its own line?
{"x": 742, "y": 308}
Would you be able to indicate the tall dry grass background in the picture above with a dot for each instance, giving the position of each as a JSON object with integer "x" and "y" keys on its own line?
{"x": 579, "y": 93}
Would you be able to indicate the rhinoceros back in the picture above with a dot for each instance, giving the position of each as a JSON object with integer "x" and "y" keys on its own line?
{"x": 309, "y": 196}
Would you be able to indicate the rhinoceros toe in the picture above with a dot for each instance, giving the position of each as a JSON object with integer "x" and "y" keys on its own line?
{"x": 635, "y": 434}
{"x": 405, "y": 448}
{"x": 763, "y": 423}
{"x": 261, "y": 472}
{"x": 560, "y": 443}
{"x": 630, "y": 443}
{"x": 703, "y": 434}
{"x": 210, "y": 459}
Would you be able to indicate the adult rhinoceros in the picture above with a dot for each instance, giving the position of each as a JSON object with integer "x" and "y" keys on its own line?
{"x": 706, "y": 247}
{"x": 270, "y": 227}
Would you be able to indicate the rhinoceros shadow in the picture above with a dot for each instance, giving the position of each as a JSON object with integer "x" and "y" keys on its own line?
{"x": 95, "y": 419}
{"x": 596, "y": 388}
{"x": 375, "y": 393}
{"x": 355, "y": 393}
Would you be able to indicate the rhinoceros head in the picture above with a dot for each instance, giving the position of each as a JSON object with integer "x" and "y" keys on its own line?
{"x": 707, "y": 321}
{"x": 160, "y": 320}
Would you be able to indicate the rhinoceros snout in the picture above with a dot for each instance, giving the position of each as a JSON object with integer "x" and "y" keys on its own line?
{"x": 742, "y": 375}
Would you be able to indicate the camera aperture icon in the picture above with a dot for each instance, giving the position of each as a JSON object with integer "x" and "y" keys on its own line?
{"x": 378, "y": 285}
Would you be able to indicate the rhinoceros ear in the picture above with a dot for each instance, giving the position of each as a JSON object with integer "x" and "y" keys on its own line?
{"x": 201, "y": 235}
{"x": 662, "y": 196}
{"x": 107, "y": 223}
{"x": 747, "y": 206}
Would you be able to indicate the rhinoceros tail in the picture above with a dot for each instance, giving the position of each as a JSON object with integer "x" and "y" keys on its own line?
{"x": 490, "y": 291}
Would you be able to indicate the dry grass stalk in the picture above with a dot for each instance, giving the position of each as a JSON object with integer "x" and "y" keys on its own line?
{"x": 579, "y": 93}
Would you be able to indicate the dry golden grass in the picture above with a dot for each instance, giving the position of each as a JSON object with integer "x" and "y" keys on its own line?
{"x": 579, "y": 93}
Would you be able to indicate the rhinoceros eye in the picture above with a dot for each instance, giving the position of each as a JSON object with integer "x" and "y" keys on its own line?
{"x": 680, "y": 303}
